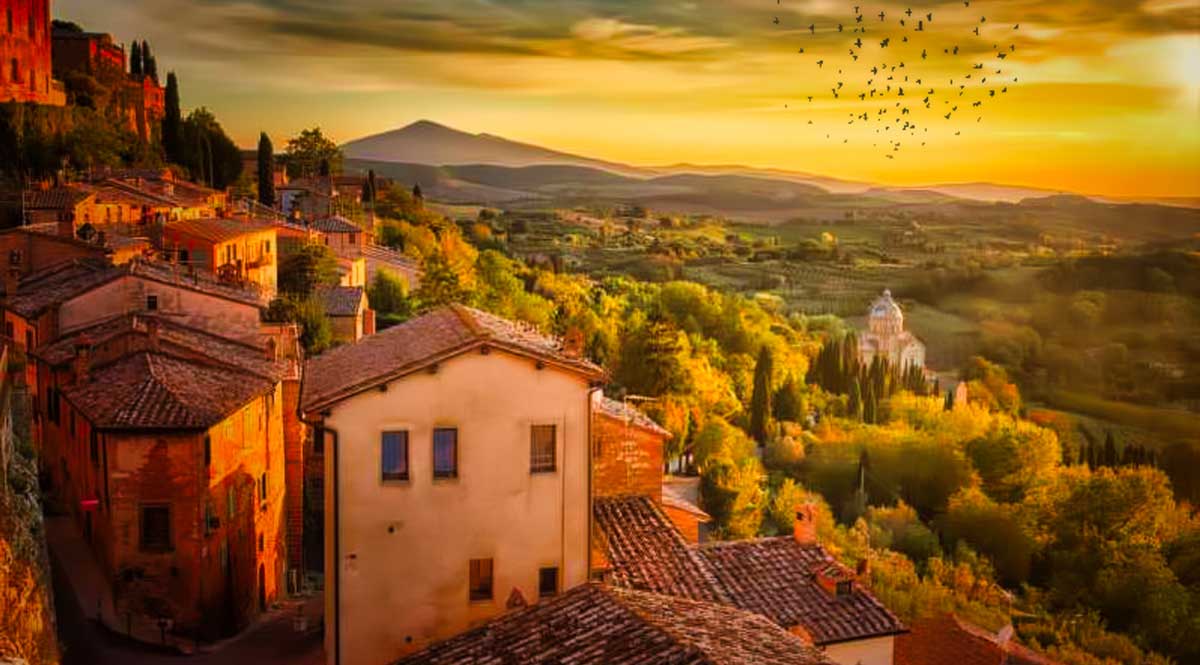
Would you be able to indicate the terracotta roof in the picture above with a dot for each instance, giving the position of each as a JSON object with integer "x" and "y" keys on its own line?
{"x": 217, "y": 229}
{"x": 646, "y": 552}
{"x": 57, "y": 198}
{"x": 948, "y": 640}
{"x": 341, "y": 300}
{"x": 53, "y": 286}
{"x": 41, "y": 290}
{"x": 148, "y": 390}
{"x": 775, "y": 577}
{"x": 379, "y": 257}
{"x": 631, "y": 415}
{"x": 247, "y": 354}
{"x": 597, "y": 625}
{"x": 438, "y": 335}
{"x": 335, "y": 224}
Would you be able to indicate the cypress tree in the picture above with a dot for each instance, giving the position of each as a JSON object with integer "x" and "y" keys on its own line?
{"x": 948, "y": 404}
{"x": 135, "y": 60}
{"x": 855, "y": 406}
{"x": 1110, "y": 450}
{"x": 870, "y": 406}
{"x": 147, "y": 59}
{"x": 368, "y": 191}
{"x": 760, "y": 399}
{"x": 266, "y": 171}
{"x": 172, "y": 123}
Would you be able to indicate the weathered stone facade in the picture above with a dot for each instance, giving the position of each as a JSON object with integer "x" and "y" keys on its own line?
{"x": 627, "y": 452}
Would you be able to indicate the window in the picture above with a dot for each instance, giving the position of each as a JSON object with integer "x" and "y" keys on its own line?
{"x": 32, "y": 26}
{"x": 318, "y": 440}
{"x": 547, "y": 582}
{"x": 481, "y": 579}
{"x": 844, "y": 588}
{"x": 14, "y": 73}
{"x": 262, "y": 487}
{"x": 28, "y": 340}
{"x": 207, "y": 450}
{"x": 393, "y": 456}
{"x": 541, "y": 448}
{"x": 8, "y": 329}
{"x": 445, "y": 452}
{"x": 8, "y": 12}
{"x": 156, "y": 528}
{"x": 152, "y": 302}
{"x": 71, "y": 422}
{"x": 14, "y": 257}
{"x": 94, "y": 441}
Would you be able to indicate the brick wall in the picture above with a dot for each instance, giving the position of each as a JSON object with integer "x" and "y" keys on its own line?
{"x": 627, "y": 459}
{"x": 26, "y": 73}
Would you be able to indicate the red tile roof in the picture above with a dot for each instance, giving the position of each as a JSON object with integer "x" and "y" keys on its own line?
{"x": 219, "y": 229}
{"x": 631, "y": 415}
{"x": 156, "y": 391}
{"x": 646, "y": 552}
{"x": 438, "y": 335}
{"x": 53, "y": 286}
{"x": 598, "y": 625}
{"x": 948, "y": 640}
{"x": 248, "y": 354}
{"x": 335, "y": 224}
{"x": 775, "y": 577}
{"x": 57, "y": 198}
{"x": 341, "y": 300}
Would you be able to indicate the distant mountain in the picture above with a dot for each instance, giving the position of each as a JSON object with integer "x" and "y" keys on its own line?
{"x": 429, "y": 143}
{"x": 453, "y": 166}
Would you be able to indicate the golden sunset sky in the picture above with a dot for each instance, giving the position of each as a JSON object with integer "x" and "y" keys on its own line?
{"x": 1107, "y": 99}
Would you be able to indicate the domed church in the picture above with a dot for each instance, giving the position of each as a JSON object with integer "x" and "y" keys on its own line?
{"x": 886, "y": 336}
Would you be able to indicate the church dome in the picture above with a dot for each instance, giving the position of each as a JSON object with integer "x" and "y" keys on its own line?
{"x": 885, "y": 317}
{"x": 886, "y": 308}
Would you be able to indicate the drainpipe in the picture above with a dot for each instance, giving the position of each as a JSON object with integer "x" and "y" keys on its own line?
{"x": 336, "y": 526}
{"x": 590, "y": 475}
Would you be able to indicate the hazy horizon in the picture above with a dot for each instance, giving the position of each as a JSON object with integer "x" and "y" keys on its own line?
{"x": 1106, "y": 103}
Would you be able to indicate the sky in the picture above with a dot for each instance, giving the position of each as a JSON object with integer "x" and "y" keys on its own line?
{"x": 1092, "y": 96}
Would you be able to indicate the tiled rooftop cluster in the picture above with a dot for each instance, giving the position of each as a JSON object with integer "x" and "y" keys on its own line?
{"x": 774, "y": 577}
{"x": 599, "y": 625}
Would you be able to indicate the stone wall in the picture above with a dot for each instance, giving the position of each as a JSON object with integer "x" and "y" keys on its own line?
{"x": 27, "y": 619}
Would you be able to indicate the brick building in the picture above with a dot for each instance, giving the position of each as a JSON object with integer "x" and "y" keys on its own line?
{"x": 26, "y": 69}
{"x": 168, "y": 450}
{"x": 95, "y": 54}
{"x": 627, "y": 451}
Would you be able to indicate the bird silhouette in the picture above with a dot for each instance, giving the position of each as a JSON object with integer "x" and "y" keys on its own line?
{"x": 881, "y": 15}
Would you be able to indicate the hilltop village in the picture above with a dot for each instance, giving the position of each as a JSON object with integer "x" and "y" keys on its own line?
{"x": 249, "y": 390}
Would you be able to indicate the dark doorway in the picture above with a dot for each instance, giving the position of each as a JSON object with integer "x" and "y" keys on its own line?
{"x": 262, "y": 588}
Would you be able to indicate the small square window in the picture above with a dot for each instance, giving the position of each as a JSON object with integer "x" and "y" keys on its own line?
{"x": 481, "y": 579}
{"x": 542, "y": 449}
{"x": 445, "y": 452}
{"x": 156, "y": 528}
{"x": 844, "y": 588}
{"x": 152, "y": 303}
{"x": 548, "y": 582}
{"x": 393, "y": 456}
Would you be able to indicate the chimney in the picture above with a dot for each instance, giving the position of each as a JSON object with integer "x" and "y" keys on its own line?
{"x": 804, "y": 529}
{"x": 82, "y": 363}
{"x": 152, "y": 333}
{"x": 863, "y": 571}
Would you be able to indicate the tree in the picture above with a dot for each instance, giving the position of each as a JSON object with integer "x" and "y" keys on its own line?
{"x": 135, "y": 60}
{"x": 760, "y": 399}
{"x": 416, "y": 192}
{"x": 368, "y": 190}
{"x": 1110, "y": 449}
{"x": 302, "y": 271}
{"x": 311, "y": 152}
{"x": 855, "y": 406}
{"x": 266, "y": 171}
{"x": 732, "y": 493}
{"x": 388, "y": 295}
{"x": 789, "y": 403}
{"x": 149, "y": 68}
{"x": 208, "y": 152}
{"x": 440, "y": 283}
{"x": 172, "y": 123}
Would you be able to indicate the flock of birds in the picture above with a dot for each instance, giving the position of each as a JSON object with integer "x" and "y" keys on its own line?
{"x": 886, "y": 74}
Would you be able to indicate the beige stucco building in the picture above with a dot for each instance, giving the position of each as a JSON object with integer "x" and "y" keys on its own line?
{"x": 456, "y": 478}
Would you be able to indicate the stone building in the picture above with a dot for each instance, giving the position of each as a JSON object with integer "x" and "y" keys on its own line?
{"x": 26, "y": 69}
{"x": 168, "y": 451}
{"x": 456, "y": 478}
{"x": 232, "y": 251}
{"x": 886, "y": 337}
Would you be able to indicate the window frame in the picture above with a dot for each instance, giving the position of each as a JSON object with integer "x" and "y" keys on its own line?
{"x": 402, "y": 442}
{"x": 537, "y": 459}
{"x": 475, "y": 587}
{"x": 453, "y": 472}
{"x": 155, "y": 547}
